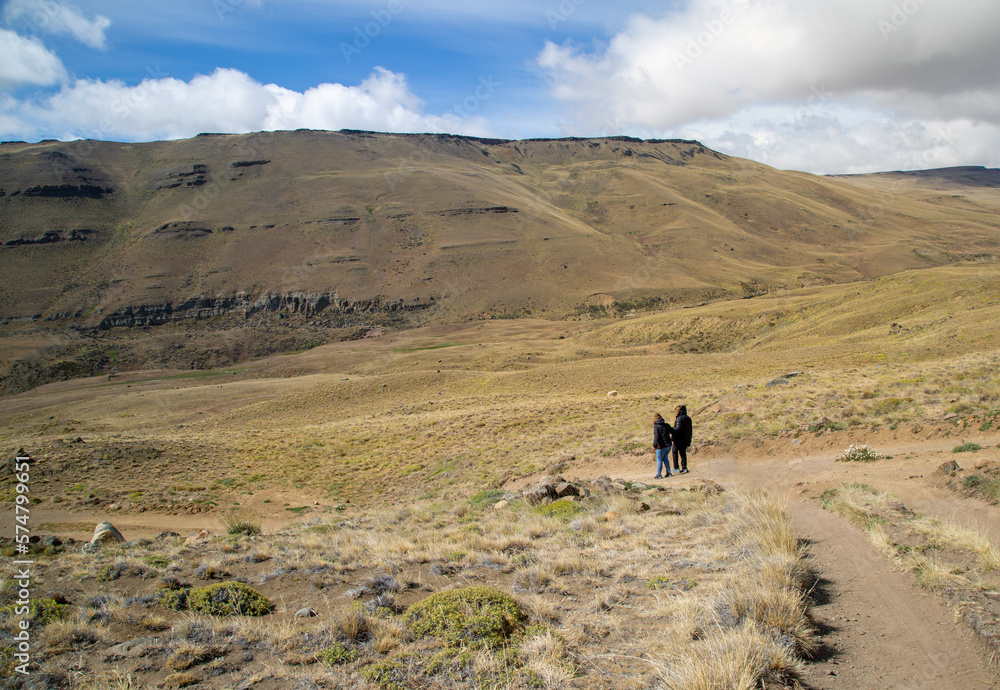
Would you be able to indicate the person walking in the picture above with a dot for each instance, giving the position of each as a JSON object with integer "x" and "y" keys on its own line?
{"x": 682, "y": 434}
{"x": 661, "y": 444}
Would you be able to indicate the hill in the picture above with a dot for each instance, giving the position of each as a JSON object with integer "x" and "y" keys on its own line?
{"x": 233, "y": 246}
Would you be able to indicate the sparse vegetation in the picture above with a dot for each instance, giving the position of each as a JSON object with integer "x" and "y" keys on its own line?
{"x": 966, "y": 448}
{"x": 859, "y": 453}
{"x": 243, "y": 522}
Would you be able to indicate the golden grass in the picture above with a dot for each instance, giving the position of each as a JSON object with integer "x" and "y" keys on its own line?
{"x": 589, "y": 587}
{"x": 893, "y": 529}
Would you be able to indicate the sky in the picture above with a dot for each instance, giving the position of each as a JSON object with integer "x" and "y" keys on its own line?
{"x": 825, "y": 86}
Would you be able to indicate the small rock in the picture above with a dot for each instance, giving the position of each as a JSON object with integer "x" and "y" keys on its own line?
{"x": 165, "y": 535}
{"x": 307, "y": 612}
{"x": 500, "y": 505}
{"x": 198, "y": 537}
{"x": 708, "y": 487}
{"x": 949, "y": 467}
{"x": 776, "y": 382}
{"x": 643, "y": 508}
{"x": 612, "y": 394}
{"x": 611, "y": 515}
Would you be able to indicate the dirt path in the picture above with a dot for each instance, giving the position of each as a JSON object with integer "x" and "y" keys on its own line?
{"x": 879, "y": 628}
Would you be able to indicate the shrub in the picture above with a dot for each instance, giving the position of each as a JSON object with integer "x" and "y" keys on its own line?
{"x": 563, "y": 509}
{"x": 392, "y": 673}
{"x": 861, "y": 453}
{"x": 42, "y": 611}
{"x": 229, "y": 599}
{"x": 472, "y": 616}
{"x": 180, "y": 680}
{"x": 966, "y": 448}
{"x": 242, "y": 522}
{"x": 336, "y": 654}
{"x": 174, "y": 599}
{"x": 124, "y": 569}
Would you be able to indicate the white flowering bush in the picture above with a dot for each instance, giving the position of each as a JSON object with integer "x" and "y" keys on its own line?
{"x": 860, "y": 453}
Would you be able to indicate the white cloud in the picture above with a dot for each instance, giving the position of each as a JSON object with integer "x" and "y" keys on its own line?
{"x": 26, "y": 61}
{"x": 225, "y": 101}
{"x": 769, "y": 72}
{"x": 46, "y": 16}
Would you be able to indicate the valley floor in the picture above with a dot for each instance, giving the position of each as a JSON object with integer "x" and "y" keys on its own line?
{"x": 877, "y": 626}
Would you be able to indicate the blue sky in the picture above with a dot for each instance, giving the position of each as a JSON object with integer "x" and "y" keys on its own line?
{"x": 850, "y": 86}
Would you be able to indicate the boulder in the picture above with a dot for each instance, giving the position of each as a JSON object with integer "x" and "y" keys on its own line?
{"x": 307, "y": 612}
{"x": 105, "y": 533}
{"x": 538, "y": 494}
{"x": 565, "y": 489}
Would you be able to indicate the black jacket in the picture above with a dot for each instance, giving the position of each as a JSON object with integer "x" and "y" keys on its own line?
{"x": 682, "y": 429}
{"x": 661, "y": 434}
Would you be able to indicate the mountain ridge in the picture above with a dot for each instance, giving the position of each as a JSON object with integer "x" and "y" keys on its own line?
{"x": 102, "y": 237}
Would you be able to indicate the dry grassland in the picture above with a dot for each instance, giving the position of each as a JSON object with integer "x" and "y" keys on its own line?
{"x": 698, "y": 592}
{"x": 678, "y": 589}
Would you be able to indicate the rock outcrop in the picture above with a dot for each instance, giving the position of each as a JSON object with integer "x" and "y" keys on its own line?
{"x": 243, "y": 305}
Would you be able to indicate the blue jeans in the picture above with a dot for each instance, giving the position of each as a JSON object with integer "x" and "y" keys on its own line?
{"x": 663, "y": 461}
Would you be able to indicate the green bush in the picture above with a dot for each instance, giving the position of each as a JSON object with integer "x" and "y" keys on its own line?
{"x": 966, "y": 448}
{"x": 174, "y": 599}
{"x": 390, "y": 674}
{"x": 229, "y": 599}
{"x": 41, "y": 611}
{"x": 336, "y": 654}
{"x": 563, "y": 509}
{"x": 987, "y": 488}
{"x": 472, "y": 616}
